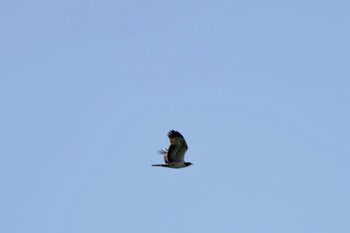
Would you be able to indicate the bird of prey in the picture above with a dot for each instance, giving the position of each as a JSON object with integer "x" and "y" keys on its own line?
{"x": 175, "y": 155}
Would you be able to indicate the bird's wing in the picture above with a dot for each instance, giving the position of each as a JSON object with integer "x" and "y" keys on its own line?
{"x": 177, "y": 148}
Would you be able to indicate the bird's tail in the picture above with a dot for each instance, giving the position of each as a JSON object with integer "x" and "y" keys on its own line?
{"x": 162, "y": 152}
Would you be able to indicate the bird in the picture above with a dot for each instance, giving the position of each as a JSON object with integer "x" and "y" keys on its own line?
{"x": 174, "y": 156}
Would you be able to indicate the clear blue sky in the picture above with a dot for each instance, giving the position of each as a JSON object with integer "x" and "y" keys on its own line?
{"x": 259, "y": 89}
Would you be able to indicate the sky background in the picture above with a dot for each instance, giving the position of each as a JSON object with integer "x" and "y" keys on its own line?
{"x": 259, "y": 89}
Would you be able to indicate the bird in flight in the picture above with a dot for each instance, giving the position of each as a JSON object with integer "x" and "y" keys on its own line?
{"x": 175, "y": 155}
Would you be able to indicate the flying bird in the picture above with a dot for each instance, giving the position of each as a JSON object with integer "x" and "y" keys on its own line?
{"x": 174, "y": 156}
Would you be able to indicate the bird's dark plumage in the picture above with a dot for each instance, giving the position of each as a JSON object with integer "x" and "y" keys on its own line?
{"x": 174, "y": 156}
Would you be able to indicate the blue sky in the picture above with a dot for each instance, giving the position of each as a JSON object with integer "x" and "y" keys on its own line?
{"x": 259, "y": 89}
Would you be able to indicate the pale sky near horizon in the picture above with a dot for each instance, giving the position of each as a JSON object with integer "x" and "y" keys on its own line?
{"x": 259, "y": 89}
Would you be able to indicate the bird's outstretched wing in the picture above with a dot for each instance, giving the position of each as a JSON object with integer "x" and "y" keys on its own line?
{"x": 177, "y": 148}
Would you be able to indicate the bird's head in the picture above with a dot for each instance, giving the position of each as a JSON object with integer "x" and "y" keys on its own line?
{"x": 188, "y": 164}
